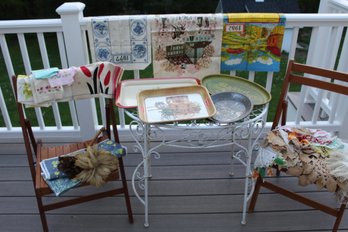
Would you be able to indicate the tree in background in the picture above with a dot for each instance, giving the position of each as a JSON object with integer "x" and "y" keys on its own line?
{"x": 36, "y": 9}
{"x": 309, "y": 6}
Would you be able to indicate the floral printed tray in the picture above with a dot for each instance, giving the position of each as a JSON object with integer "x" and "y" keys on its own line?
{"x": 224, "y": 83}
{"x": 175, "y": 104}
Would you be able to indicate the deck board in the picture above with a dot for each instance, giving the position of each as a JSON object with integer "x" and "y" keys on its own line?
{"x": 189, "y": 192}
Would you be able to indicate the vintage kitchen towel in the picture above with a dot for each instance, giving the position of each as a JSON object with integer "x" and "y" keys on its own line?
{"x": 122, "y": 40}
{"x": 252, "y": 42}
{"x": 97, "y": 79}
{"x": 186, "y": 45}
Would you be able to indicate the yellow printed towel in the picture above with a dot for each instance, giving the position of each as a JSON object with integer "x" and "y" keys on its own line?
{"x": 252, "y": 41}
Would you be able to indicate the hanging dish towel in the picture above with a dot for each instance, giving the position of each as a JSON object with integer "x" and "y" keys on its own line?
{"x": 122, "y": 40}
{"x": 43, "y": 92}
{"x": 252, "y": 42}
{"x": 186, "y": 45}
{"x": 96, "y": 79}
{"x": 63, "y": 77}
{"x": 24, "y": 90}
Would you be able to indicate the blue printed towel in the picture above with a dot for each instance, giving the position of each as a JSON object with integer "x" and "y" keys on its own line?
{"x": 61, "y": 185}
{"x": 49, "y": 167}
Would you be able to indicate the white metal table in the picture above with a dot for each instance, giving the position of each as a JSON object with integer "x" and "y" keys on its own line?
{"x": 193, "y": 135}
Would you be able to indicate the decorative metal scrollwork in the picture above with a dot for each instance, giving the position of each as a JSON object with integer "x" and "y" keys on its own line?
{"x": 139, "y": 177}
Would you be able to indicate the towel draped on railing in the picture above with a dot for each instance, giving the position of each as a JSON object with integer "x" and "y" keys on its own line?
{"x": 186, "y": 45}
{"x": 97, "y": 79}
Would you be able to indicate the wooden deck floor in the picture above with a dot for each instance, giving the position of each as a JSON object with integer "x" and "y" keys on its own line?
{"x": 190, "y": 192}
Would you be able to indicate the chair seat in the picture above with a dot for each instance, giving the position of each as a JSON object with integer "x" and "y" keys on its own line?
{"x": 46, "y": 152}
{"x": 314, "y": 156}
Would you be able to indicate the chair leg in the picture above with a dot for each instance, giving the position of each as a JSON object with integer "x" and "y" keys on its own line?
{"x": 255, "y": 194}
{"x": 339, "y": 217}
{"x": 126, "y": 194}
{"x": 42, "y": 214}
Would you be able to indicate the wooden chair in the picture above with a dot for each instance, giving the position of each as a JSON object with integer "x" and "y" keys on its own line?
{"x": 333, "y": 81}
{"x": 37, "y": 151}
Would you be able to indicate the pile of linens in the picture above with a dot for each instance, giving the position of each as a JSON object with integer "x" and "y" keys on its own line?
{"x": 313, "y": 155}
{"x": 43, "y": 86}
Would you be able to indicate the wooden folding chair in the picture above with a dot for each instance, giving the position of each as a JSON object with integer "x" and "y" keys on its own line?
{"x": 37, "y": 151}
{"x": 332, "y": 81}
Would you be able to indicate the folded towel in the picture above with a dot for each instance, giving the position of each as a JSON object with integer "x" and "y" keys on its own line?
{"x": 24, "y": 89}
{"x": 44, "y": 73}
{"x": 63, "y": 77}
{"x": 115, "y": 149}
{"x": 61, "y": 185}
{"x": 43, "y": 92}
{"x": 49, "y": 167}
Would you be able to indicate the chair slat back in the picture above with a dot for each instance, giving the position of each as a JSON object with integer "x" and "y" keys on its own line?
{"x": 330, "y": 80}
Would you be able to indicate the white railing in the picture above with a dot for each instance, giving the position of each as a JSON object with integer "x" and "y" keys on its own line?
{"x": 327, "y": 45}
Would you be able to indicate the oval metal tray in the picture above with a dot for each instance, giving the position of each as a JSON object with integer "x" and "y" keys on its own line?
{"x": 224, "y": 83}
{"x": 231, "y": 106}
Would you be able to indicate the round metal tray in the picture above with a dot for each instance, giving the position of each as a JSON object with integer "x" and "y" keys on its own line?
{"x": 231, "y": 106}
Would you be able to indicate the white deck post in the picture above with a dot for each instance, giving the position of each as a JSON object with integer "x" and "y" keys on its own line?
{"x": 71, "y": 14}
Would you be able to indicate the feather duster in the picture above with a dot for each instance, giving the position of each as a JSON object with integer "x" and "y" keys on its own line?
{"x": 96, "y": 165}
{"x": 67, "y": 165}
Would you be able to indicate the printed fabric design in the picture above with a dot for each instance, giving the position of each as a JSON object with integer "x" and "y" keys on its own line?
{"x": 115, "y": 149}
{"x": 96, "y": 79}
{"x": 49, "y": 167}
{"x": 43, "y": 91}
{"x": 122, "y": 40}
{"x": 186, "y": 45}
{"x": 252, "y": 42}
{"x": 61, "y": 185}
{"x": 24, "y": 90}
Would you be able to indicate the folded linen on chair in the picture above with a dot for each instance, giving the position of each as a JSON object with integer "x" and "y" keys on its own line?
{"x": 49, "y": 167}
{"x": 61, "y": 185}
{"x": 115, "y": 149}
{"x": 87, "y": 81}
{"x": 45, "y": 73}
{"x": 313, "y": 155}
{"x": 58, "y": 180}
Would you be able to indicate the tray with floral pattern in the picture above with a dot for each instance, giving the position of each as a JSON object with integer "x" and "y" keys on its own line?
{"x": 175, "y": 104}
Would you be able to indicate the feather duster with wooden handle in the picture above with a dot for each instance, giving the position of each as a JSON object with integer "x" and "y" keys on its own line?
{"x": 96, "y": 165}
